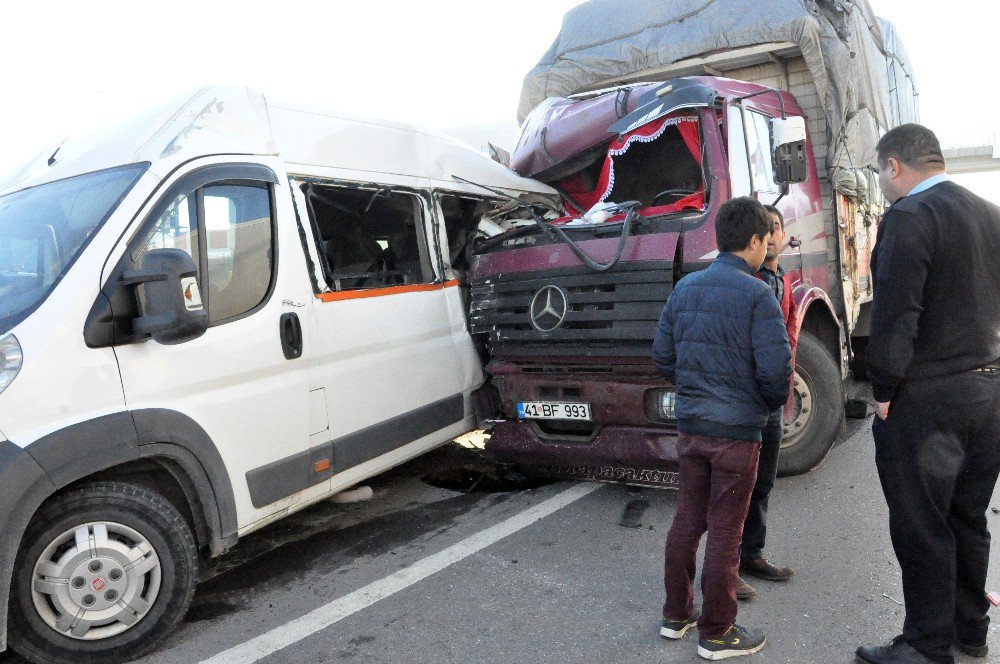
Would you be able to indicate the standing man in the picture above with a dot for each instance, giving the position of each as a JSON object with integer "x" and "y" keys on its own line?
{"x": 722, "y": 342}
{"x": 752, "y": 560}
{"x": 932, "y": 359}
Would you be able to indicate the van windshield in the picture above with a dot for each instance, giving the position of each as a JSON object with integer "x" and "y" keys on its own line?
{"x": 44, "y": 229}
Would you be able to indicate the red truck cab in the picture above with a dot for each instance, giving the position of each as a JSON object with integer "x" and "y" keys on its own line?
{"x": 569, "y": 340}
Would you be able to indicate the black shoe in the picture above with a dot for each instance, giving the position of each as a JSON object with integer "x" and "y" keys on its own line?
{"x": 973, "y": 651}
{"x": 735, "y": 642}
{"x": 897, "y": 652}
{"x": 676, "y": 629}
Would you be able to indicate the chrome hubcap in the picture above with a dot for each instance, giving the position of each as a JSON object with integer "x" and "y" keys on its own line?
{"x": 802, "y": 409}
{"x": 96, "y": 581}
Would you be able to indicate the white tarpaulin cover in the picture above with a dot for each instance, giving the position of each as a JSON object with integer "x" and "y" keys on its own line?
{"x": 860, "y": 68}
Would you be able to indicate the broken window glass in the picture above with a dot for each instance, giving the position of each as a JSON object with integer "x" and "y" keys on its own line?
{"x": 370, "y": 237}
{"x": 462, "y": 215}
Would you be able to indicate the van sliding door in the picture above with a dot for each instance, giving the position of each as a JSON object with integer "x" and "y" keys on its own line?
{"x": 387, "y": 354}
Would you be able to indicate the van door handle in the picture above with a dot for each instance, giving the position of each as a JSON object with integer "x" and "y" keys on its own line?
{"x": 291, "y": 336}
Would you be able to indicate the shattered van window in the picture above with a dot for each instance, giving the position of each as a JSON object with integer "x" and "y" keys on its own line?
{"x": 462, "y": 215}
{"x": 370, "y": 238}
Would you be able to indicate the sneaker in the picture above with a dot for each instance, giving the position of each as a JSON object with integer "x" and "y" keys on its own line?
{"x": 744, "y": 590}
{"x": 676, "y": 629}
{"x": 735, "y": 642}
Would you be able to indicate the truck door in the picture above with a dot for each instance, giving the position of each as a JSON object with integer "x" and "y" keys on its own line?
{"x": 245, "y": 381}
{"x": 386, "y": 323}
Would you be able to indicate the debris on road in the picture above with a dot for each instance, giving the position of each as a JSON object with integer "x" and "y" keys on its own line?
{"x": 632, "y": 516}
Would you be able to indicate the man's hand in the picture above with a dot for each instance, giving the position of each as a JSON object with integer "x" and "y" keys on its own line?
{"x": 882, "y": 409}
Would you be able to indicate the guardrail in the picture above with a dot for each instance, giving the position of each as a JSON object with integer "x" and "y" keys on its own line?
{"x": 973, "y": 153}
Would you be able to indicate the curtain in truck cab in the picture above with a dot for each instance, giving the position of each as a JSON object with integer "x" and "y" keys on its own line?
{"x": 615, "y": 169}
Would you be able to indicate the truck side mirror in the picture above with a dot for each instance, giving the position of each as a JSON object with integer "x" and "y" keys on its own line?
{"x": 789, "y": 139}
{"x": 172, "y": 311}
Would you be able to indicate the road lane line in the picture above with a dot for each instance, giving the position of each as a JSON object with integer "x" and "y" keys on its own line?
{"x": 328, "y": 614}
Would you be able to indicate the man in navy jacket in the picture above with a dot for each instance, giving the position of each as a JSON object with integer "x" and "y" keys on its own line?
{"x": 722, "y": 341}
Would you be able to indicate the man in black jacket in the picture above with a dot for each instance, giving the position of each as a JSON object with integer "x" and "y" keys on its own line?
{"x": 932, "y": 359}
{"x": 722, "y": 341}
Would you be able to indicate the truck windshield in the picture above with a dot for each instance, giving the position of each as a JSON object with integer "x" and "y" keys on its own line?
{"x": 44, "y": 229}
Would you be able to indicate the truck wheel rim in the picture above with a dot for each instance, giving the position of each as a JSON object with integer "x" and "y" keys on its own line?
{"x": 802, "y": 411}
{"x": 96, "y": 581}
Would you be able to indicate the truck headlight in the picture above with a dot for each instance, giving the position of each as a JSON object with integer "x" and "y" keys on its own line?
{"x": 11, "y": 359}
{"x": 660, "y": 405}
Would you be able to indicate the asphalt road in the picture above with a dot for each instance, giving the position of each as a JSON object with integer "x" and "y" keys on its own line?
{"x": 574, "y": 585}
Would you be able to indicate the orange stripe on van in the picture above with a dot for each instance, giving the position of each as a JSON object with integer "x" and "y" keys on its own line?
{"x": 379, "y": 292}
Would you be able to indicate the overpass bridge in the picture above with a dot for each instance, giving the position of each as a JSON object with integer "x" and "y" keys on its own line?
{"x": 976, "y": 154}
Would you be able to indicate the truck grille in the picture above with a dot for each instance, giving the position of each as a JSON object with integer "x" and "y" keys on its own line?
{"x": 605, "y": 314}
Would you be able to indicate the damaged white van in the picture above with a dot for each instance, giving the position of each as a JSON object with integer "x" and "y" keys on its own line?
{"x": 210, "y": 317}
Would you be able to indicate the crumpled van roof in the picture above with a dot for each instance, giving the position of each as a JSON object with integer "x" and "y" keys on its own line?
{"x": 242, "y": 121}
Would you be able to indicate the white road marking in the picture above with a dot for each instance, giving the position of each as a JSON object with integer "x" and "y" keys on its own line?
{"x": 328, "y": 614}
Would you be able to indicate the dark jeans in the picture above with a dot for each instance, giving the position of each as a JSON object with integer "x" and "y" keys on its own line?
{"x": 755, "y": 527}
{"x": 938, "y": 458}
{"x": 716, "y": 478}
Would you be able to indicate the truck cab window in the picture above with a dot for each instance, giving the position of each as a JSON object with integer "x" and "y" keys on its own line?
{"x": 370, "y": 238}
{"x": 739, "y": 164}
{"x": 236, "y": 238}
{"x": 760, "y": 149}
{"x": 663, "y": 155}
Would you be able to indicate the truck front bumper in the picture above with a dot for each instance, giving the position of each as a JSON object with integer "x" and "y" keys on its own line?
{"x": 644, "y": 456}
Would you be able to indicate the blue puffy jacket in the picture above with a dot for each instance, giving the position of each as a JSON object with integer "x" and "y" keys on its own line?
{"x": 722, "y": 342}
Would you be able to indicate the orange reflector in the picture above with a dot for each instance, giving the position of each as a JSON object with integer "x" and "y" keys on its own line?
{"x": 320, "y": 466}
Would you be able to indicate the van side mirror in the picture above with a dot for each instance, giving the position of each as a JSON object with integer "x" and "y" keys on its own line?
{"x": 170, "y": 300}
{"x": 789, "y": 139}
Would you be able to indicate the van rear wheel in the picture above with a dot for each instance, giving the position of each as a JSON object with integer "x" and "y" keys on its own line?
{"x": 818, "y": 411}
{"x": 106, "y": 571}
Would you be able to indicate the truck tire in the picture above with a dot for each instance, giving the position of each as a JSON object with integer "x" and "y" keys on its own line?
{"x": 112, "y": 599}
{"x": 818, "y": 412}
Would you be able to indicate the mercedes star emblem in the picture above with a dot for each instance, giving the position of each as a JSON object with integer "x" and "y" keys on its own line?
{"x": 548, "y": 308}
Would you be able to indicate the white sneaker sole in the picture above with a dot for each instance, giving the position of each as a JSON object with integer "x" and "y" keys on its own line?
{"x": 726, "y": 654}
{"x": 676, "y": 633}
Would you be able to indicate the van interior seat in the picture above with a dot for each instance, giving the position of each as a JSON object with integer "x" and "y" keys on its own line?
{"x": 354, "y": 252}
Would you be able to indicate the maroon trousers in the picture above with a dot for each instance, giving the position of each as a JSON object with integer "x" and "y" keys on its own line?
{"x": 717, "y": 476}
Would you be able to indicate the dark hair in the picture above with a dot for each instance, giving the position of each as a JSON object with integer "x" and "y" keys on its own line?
{"x": 912, "y": 144}
{"x": 738, "y": 220}
{"x": 777, "y": 213}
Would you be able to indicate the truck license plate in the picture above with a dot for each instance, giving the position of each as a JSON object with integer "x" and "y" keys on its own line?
{"x": 548, "y": 410}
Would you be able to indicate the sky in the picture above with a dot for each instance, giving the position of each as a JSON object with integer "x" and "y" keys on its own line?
{"x": 68, "y": 66}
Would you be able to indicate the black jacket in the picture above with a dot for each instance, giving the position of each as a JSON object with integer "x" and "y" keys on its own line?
{"x": 936, "y": 267}
{"x": 722, "y": 341}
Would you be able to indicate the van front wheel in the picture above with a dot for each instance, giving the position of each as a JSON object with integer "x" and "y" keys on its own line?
{"x": 105, "y": 572}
